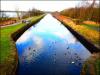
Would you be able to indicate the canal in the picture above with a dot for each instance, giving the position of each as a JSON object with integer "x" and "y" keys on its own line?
{"x": 49, "y": 48}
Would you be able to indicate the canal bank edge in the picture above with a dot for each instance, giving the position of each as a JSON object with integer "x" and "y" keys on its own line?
{"x": 10, "y": 65}
{"x": 91, "y": 47}
{"x": 19, "y": 32}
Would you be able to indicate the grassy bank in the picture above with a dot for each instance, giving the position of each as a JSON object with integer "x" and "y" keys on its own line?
{"x": 8, "y": 55}
{"x": 92, "y": 26}
{"x": 90, "y": 34}
{"x": 92, "y": 65}
{"x": 89, "y": 31}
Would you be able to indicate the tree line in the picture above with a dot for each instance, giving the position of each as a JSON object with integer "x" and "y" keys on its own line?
{"x": 20, "y": 15}
{"x": 33, "y": 12}
{"x": 84, "y": 11}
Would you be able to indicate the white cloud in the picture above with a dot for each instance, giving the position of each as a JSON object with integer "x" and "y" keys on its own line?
{"x": 24, "y": 37}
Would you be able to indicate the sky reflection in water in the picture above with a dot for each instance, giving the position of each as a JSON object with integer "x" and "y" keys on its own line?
{"x": 48, "y": 48}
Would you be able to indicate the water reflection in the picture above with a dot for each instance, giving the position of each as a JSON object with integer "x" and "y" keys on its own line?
{"x": 48, "y": 48}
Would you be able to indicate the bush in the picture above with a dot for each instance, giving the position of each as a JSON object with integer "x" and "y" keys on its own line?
{"x": 77, "y": 21}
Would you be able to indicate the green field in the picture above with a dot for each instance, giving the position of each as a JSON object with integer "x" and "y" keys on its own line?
{"x": 6, "y": 40}
{"x": 92, "y": 27}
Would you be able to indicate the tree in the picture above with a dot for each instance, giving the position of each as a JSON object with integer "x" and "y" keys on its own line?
{"x": 3, "y": 16}
{"x": 84, "y": 10}
{"x": 17, "y": 12}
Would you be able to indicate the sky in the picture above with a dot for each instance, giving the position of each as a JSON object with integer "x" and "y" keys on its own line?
{"x": 41, "y": 5}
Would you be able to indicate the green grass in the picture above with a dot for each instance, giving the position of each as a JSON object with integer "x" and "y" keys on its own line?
{"x": 97, "y": 65}
{"x": 92, "y": 27}
{"x": 92, "y": 65}
{"x": 5, "y": 39}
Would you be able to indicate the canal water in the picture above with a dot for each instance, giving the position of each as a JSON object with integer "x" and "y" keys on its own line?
{"x": 49, "y": 48}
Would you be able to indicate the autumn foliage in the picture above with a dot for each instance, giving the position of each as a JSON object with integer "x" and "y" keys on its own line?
{"x": 84, "y": 11}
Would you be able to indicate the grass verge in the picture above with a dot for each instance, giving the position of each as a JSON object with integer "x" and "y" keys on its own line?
{"x": 91, "y": 27}
{"x": 92, "y": 65}
{"x": 92, "y": 35}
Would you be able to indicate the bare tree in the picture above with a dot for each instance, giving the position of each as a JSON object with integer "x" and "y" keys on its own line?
{"x": 17, "y": 12}
{"x": 85, "y": 10}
